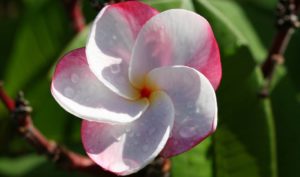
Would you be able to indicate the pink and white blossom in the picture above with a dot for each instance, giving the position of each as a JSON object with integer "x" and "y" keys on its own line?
{"x": 144, "y": 85}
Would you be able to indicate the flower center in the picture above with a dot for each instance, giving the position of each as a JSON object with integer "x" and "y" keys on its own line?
{"x": 145, "y": 92}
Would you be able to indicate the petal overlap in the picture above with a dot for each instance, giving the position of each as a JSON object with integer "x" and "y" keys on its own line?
{"x": 195, "y": 106}
{"x": 175, "y": 37}
{"x": 124, "y": 149}
{"x": 111, "y": 41}
{"x": 79, "y": 91}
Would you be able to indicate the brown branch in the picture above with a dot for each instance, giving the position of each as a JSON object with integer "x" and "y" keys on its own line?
{"x": 287, "y": 21}
{"x": 8, "y": 102}
{"x": 61, "y": 156}
{"x": 75, "y": 13}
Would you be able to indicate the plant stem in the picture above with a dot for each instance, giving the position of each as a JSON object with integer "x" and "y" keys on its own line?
{"x": 287, "y": 22}
{"x": 63, "y": 157}
{"x": 75, "y": 13}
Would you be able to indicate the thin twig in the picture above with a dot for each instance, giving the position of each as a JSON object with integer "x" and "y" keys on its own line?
{"x": 75, "y": 13}
{"x": 62, "y": 157}
{"x": 8, "y": 102}
{"x": 287, "y": 21}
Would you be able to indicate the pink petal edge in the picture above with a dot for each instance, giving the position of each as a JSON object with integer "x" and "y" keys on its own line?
{"x": 125, "y": 149}
{"x": 176, "y": 37}
{"x": 110, "y": 44}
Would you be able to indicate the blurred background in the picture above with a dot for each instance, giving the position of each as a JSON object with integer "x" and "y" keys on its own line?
{"x": 256, "y": 137}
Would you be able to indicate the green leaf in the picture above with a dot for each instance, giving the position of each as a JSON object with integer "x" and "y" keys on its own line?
{"x": 231, "y": 26}
{"x": 33, "y": 165}
{"x": 39, "y": 39}
{"x": 286, "y": 103}
{"x": 163, "y": 5}
{"x": 245, "y": 139}
{"x": 266, "y": 4}
{"x": 20, "y": 165}
{"x": 194, "y": 163}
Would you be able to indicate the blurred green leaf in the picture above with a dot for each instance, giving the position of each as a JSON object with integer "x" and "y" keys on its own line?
{"x": 266, "y": 4}
{"x": 230, "y": 22}
{"x": 286, "y": 103}
{"x": 20, "y": 165}
{"x": 40, "y": 37}
{"x": 195, "y": 163}
{"x": 33, "y": 165}
{"x": 244, "y": 144}
{"x": 245, "y": 139}
{"x": 162, "y": 5}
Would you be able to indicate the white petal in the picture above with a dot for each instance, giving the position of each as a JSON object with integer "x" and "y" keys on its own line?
{"x": 79, "y": 91}
{"x": 125, "y": 149}
{"x": 175, "y": 37}
{"x": 195, "y": 106}
{"x": 110, "y": 44}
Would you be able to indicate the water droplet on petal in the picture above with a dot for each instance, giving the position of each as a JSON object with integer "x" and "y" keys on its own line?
{"x": 187, "y": 132}
{"x": 190, "y": 128}
{"x": 69, "y": 92}
{"x": 114, "y": 37}
{"x": 74, "y": 78}
{"x": 115, "y": 69}
{"x": 118, "y": 138}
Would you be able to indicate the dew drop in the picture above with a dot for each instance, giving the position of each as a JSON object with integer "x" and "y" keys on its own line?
{"x": 145, "y": 147}
{"x": 114, "y": 37}
{"x": 69, "y": 92}
{"x": 118, "y": 138}
{"x": 187, "y": 132}
{"x": 115, "y": 69}
{"x": 189, "y": 128}
{"x": 74, "y": 78}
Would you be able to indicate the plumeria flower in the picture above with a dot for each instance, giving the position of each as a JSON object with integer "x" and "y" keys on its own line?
{"x": 144, "y": 85}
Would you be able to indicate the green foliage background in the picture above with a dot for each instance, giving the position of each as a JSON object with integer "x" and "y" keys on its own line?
{"x": 255, "y": 137}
